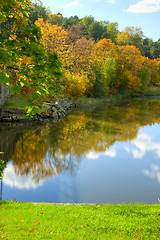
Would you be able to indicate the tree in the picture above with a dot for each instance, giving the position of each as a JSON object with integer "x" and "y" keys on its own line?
{"x": 78, "y": 65}
{"x": 112, "y": 30}
{"x": 144, "y": 75}
{"x": 55, "y": 19}
{"x": 95, "y": 31}
{"x": 131, "y": 36}
{"x": 70, "y": 21}
{"x": 74, "y": 33}
{"x": 147, "y": 44}
{"x": 42, "y": 70}
{"x": 135, "y": 68}
{"x": 86, "y": 23}
{"x": 104, "y": 25}
{"x": 155, "y": 50}
{"x": 53, "y": 36}
{"x": 154, "y": 67}
{"x": 38, "y": 11}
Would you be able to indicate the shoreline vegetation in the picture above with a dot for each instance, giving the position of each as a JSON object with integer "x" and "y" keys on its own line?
{"x": 153, "y": 91}
{"x": 79, "y": 221}
{"x": 60, "y": 108}
{"x": 89, "y": 102}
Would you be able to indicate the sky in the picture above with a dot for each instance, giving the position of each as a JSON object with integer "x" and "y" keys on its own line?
{"x": 137, "y": 13}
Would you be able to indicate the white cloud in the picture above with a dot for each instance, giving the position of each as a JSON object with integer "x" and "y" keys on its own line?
{"x": 18, "y": 181}
{"x": 74, "y": 4}
{"x": 111, "y": 152}
{"x": 145, "y": 6}
{"x": 111, "y": 1}
{"x": 154, "y": 173}
{"x": 144, "y": 143}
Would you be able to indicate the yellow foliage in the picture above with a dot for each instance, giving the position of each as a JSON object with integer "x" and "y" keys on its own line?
{"x": 76, "y": 84}
{"x": 154, "y": 66}
{"x": 53, "y": 36}
{"x": 134, "y": 82}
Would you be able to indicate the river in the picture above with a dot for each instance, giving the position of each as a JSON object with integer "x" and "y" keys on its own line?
{"x": 104, "y": 154}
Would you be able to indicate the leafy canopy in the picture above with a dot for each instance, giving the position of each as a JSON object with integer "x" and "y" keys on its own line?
{"x": 25, "y": 64}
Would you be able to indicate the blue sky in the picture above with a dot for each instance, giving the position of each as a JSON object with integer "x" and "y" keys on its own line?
{"x": 137, "y": 13}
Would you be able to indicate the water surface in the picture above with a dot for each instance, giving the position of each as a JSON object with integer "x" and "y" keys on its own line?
{"x": 108, "y": 154}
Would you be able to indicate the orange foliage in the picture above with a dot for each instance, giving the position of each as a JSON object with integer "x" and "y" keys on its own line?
{"x": 103, "y": 49}
{"x": 132, "y": 58}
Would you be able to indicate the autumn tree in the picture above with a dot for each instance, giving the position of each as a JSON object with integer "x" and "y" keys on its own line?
{"x": 18, "y": 40}
{"x": 53, "y": 36}
{"x": 136, "y": 69}
{"x": 103, "y": 55}
{"x": 154, "y": 67}
{"x": 78, "y": 65}
{"x": 55, "y": 19}
{"x": 74, "y": 33}
{"x": 131, "y": 36}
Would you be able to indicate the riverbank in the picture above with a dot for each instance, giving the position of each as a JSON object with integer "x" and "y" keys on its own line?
{"x": 92, "y": 103}
{"x": 53, "y": 110}
{"x": 71, "y": 221}
{"x": 60, "y": 107}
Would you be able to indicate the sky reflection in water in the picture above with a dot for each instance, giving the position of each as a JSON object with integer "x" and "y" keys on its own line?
{"x": 104, "y": 155}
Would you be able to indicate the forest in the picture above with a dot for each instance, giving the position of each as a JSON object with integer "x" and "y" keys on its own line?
{"x": 44, "y": 55}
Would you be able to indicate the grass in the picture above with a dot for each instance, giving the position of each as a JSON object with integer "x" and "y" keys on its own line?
{"x": 84, "y": 102}
{"x": 14, "y": 102}
{"x": 52, "y": 221}
{"x": 153, "y": 91}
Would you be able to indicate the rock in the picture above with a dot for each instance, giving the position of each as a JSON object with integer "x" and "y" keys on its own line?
{"x": 54, "y": 115}
{"x": 55, "y": 110}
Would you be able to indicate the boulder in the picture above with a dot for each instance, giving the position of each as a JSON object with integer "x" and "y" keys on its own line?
{"x": 55, "y": 110}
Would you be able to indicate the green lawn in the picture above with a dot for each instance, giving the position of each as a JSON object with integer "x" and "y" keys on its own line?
{"x": 51, "y": 221}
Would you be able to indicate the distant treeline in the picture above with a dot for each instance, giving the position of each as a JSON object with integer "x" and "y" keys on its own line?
{"x": 98, "y": 60}
{"x": 97, "y": 30}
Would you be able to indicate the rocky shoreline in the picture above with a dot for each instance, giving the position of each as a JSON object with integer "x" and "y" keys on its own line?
{"x": 55, "y": 110}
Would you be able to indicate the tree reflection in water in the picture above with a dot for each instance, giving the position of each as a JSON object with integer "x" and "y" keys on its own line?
{"x": 56, "y": 148}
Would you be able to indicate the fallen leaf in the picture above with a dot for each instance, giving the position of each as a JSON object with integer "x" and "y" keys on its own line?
{"x": 31, "y": 230}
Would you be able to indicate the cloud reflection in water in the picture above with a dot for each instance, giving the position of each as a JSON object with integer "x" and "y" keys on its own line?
{"x": 18, "y": 181}
{"x": 153, "y": 173}
{"x": 143, "y": 143}
{"x": 111, "y": 152}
